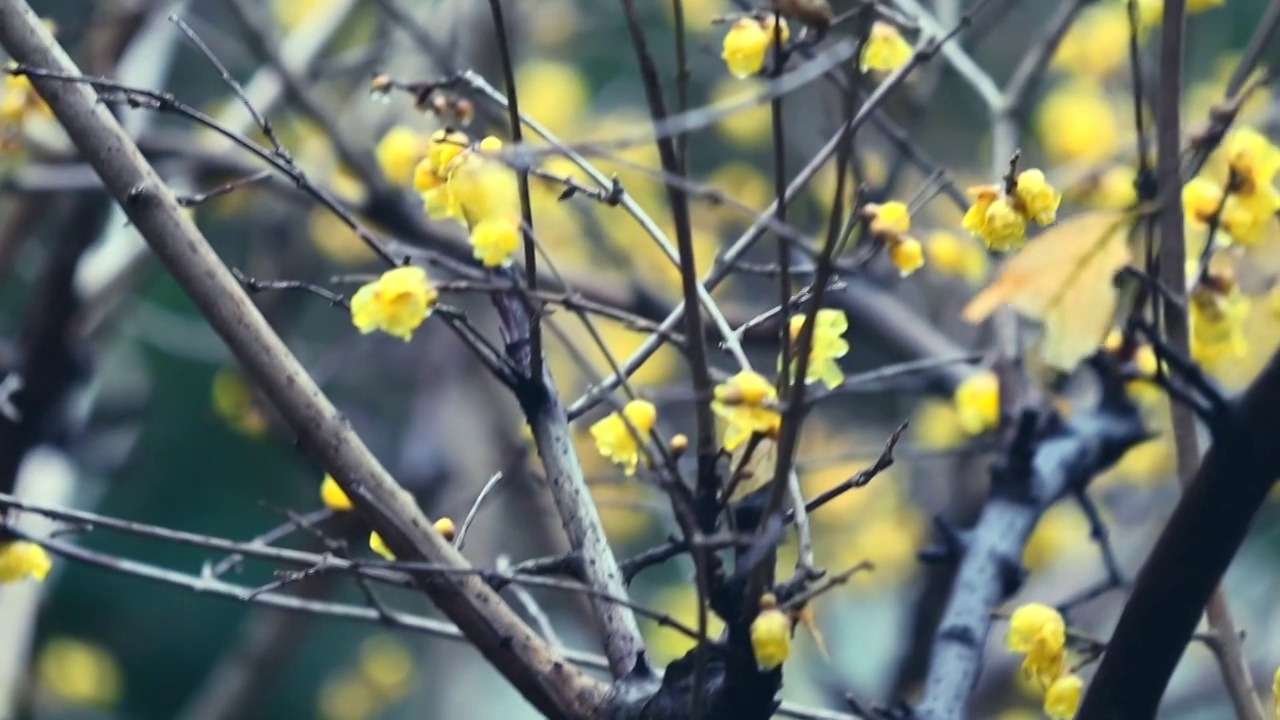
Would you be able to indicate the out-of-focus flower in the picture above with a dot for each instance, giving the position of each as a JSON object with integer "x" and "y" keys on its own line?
{"x": 1218, "y": 311}
{"x": 749, "y": 403}
{"x": 748, "y": 42}
{"x": 333, "y": 497}
{"x": 977, "y": 402}
{"x": 398, "y": 152}
{"x": 1062, "y": 699}
{"x": 20, "y": 560}
{"x": 1097, "y": 44}
{"x": 560, "y": 95}
{"x": 79, "y": 672}
{"x": 748, "y": 127}
{"x": 1077, "y": 122}
{"x": 770, "y": 634}
{"x": 615, "y": 439}
{"x": 396, "y": 303}
{"x": 953, "y": 255}
{"x": 885, "y": 50}
{"x": 386, "y": 665}
{"x": 233, "y": 402}
{"x": 827, "y": 346}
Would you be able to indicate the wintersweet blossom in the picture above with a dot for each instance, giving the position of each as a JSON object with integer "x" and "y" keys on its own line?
{"x": 770, "y": 634}
{"x": 20, "y": 560}
{"x": 977, "y": 402}
{"x": 615, "y": 437}
{"x": 1062, "y": 699}
{"x": 827, "y": 346}
{"x": 333, "y": 497}
{"x": 396, "y": 303}
{"x": 749, "y": 403}
{"x": 748, "y": 42}
{"x": 886, "y": 50}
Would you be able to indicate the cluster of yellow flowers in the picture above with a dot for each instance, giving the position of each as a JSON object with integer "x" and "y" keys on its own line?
{"x": 977, "y": 402}
{"x": 1217, "y": 311}
{"x": 333, "y": 497}
{"x": 889, "y": 224}
{"x": 19, "y": 101}
{"x": 459, "y": 180}
{"x": 749, "y": 403}
{"x": 396, "y": 303}
{"x": 1249, "y": 201}
{"x": 618, "y": 435}
{"x": 885, "y": 50}
{"x": 1040, "y": 633}
{"x": 1000, "y": 219}
{"x": 827, "y": 346}
{"x": 770, "y": 634}
{"x": 748, "y": 42}
{"x": 20, "y": 560}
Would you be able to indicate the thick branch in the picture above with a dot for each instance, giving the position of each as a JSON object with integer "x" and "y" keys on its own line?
{"x": 540, "y": 675}
{"x": 991, "y": 570}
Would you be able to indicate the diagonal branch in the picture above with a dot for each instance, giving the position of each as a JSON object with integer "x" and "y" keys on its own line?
{"x": 524, "y": 658}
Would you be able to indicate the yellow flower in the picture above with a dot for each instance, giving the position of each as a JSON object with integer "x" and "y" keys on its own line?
{"x": 680, "y": 602}
{"x": 827, "y": 346}
{"x": 1116, "y": 189}
{"x": 747, "y": 43}
{"x": 79, "y": 672}
{"x": 379, "y": 546}
{"x": 1097, "y": 43}
{"x": 1275, "y": 691}
{"x": 995, "y": 220}
{"x": 447, "y": 529}
{"x": 749, "y": 403}
{"x": 977, "y": 401}
{"x": 19, "y": 100}
{"x": 907, "y": 255}
{"x": 431, "y": 174}
{"x": 748, "y": 127}
{"x": 233, "y": 401}
{"x": 886, "y": 50}
{"x": 494, "y": 240}
{"x": 615, "y": 439}
{"x": 1043, "y": 664}
{"x": 1077, "y": 122}
{"x": 333, "y": 497}
{"x": 951, "y": 254}
{"x": 1035, "y": 197}
{"x": 335, "y": 240}
{"x": 1217, "y": 318}
{"x": 770, "y": 634}
{"x": 562, "y": 96}
{"x": 891, "y": 218}
{"x": 20, "y": 560}
{"x": 387, "y": 666}
{"x": 1062, "y": 699}
{"x": 1200, "y": 200}
{"x": 1034, "y": 623}
{"x": 398, "y": 153}
{"x": 395, "y": 303}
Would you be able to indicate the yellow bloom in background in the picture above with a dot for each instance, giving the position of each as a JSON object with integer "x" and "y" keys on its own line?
{"x": 1036, "y": 198}
{"x": 1061, "y": 530}
{"x": 951, "y": 254}
{"x": 333, "y": 497}
{"x": 994, "y": 220}
{"x": 748, "y": 42}
{"x": 936, "y": 426}
{"x": 559, "y": 96}
{"x": 1034, "y": 623}
{"x": 79, "y": 672}
{"x": 386, "y": 665}
{"x": 1217, "y": 324}
{"x": 977, "y": 402}
{"x": 379, "y": 546}
{"x": 748, "y": 127}
{"x": 680, "y": 602}
{"x": 347, "y": 697}
{"x": 493, "y": 241}
{"x": 1151, "y": 12}
{"x": 886, "y": 50}
{"x": 749, "y": 403}
{"x": 907, "y": 254}
{"x": 1077, "y": 122}
{"x": 398, "y": 152}
{"x": 396, "y": 303}
{"x": 20, "y": 560}
{"x": 828, "y": 345}
{"x": 1116, "y": 189}
{"x": 233, "y": 401}
{"x": 335, "y": 240}
{"x": 1275, "y": 691}
{"x": 617, "y": 441}
{"x": 770, "y": 635}
{"x": 891, "y": 218}
{"x": 1097, "y": 43}
{"x": 1062, "y": 699}
{"x": 743, "y": 182}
